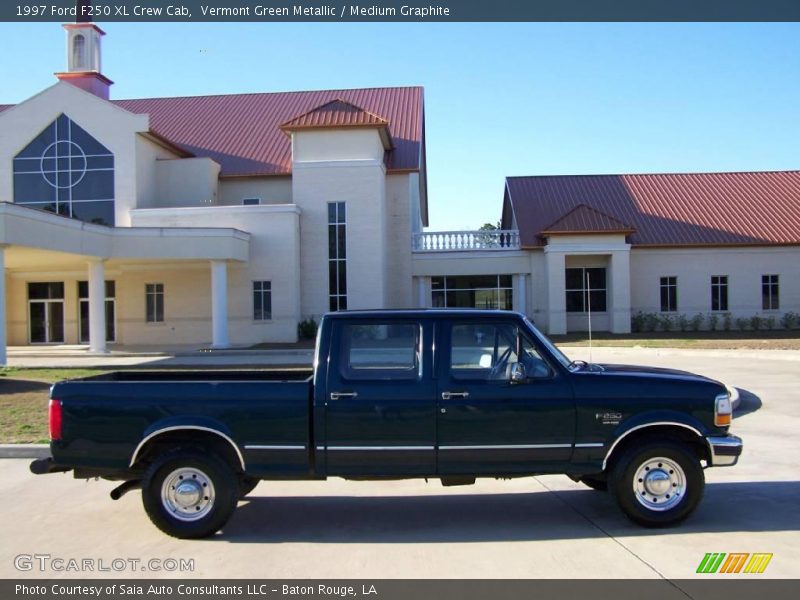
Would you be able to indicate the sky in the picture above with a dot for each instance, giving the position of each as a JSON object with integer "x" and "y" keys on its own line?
{"x": 501, "y": 99}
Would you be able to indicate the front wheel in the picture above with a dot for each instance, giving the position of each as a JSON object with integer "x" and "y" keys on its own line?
{"x": 189, "y": 494}
{"x": 658, "y": 483}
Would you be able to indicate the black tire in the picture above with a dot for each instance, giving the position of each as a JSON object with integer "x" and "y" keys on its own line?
{"x": 247, "y": 485}
{"x": 638, "y": 480}
{"x": 596, "y": 483}
{"x": 201, "y": 472}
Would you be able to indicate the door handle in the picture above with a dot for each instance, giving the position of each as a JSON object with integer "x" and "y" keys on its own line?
{"x": 449, "y": 395}
{"x": 337, "y": 395}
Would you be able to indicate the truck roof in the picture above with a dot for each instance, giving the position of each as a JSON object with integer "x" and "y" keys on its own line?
{"x": 422, "y": 312}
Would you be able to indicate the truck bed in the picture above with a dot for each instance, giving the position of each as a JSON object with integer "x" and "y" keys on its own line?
{"x": 107, "y": 416}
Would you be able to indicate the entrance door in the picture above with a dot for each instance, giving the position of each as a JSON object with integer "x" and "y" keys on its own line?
{"x": 83, "y": 311}
{"x": 488, "y": 425}
{"x": 46, "y": 312}
{"x": 380, "y": 402}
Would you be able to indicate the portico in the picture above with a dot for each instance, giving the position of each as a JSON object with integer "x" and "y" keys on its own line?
{"x": 48, "y": 253}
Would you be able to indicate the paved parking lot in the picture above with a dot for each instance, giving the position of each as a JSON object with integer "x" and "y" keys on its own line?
{"x": 525, "y": 528}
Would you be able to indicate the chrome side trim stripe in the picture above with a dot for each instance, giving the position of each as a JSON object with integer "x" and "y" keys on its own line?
{"x": 357, "y": 448}
{"x": 590, "y": 445}
{"x": 274, "y": 447}
{"x": 507, "y": 447}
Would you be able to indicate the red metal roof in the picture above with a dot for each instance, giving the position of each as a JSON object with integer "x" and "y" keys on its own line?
{"x": 751, "y": 208}
{"x": 585, "y": 219}
{"x": 242, "y": 131}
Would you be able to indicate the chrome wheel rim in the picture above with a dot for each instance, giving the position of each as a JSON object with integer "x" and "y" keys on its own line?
{"x": 187, "y": 494}
{"x": 659, "y": 484}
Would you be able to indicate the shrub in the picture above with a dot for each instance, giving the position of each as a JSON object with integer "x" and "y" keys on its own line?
{"x": 741, "y": 323}
{"x": 683, "y": 322}
{"x": 637, "y": 322}
{"x": 755, "y": 322}
{"x": 713, "y": 320}
{"x": 727, "y": 321}
{"x": 651, "y": 321}
{"x": 307, "y": 330}
{"x": 666, "y": 323}
{"x": 696, "y": 322}
{"x": 769, "y": 323}
{"x": 789, "y": 320}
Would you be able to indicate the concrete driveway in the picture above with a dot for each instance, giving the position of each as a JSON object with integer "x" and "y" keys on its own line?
{"x": 525, "y": 528}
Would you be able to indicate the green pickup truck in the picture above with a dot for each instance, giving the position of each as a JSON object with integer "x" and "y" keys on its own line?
{"x": 447, "y": 394}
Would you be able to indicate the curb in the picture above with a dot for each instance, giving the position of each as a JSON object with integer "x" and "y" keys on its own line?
{"x": 24, "y": 450}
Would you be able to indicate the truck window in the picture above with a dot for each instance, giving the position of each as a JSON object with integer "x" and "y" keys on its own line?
{"x": 378, "y": 350}
{"x": 487, "y": 351}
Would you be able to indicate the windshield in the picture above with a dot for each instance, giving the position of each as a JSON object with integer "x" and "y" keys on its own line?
{"x": 558, "y": 354}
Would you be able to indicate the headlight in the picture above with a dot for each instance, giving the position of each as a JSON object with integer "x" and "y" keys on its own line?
{"x": 723, "y": 410}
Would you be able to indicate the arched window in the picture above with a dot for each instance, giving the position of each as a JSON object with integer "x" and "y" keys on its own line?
{"x": 79, "y": 51}
{"x": 66, "y": 171}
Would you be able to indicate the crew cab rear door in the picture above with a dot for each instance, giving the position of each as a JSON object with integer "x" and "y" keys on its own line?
{"x": 486, "y": 423}
{"x": 380, "y": 402}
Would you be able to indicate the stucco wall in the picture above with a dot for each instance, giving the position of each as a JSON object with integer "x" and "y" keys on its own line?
{"x": 185, "y": 182}
{"x": 694, "y": 268}
{"x": 271, "y": 190}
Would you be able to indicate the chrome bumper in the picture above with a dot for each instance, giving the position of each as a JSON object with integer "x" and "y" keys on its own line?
{"x": 725, "y": 450}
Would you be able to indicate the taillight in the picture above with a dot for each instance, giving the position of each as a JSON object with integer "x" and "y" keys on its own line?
{"x": 723, "y": 410}
{"x": 55, "y": 419}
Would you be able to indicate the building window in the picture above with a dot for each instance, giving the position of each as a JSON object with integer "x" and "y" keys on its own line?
{"x": 769, "y": 292}
{"x": 154, "y": 301}
{"x": 586, "y": 289}
{"x": 472, "y": 291}
{"x": 262, "y": 300}
{"x": 719, "y": 292}
{"x": 251, "y": 201}
{"x": 337, "y": 256}
{"x": 66, "y": 171}
{"x": 78, "y": 52}
{"x": 669, "y": 294}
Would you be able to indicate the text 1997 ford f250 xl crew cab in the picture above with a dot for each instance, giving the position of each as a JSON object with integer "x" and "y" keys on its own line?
{"x": 449, "y": 394}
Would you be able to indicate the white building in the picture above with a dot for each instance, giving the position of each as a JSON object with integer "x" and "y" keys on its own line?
{"x": 226, "y": 220}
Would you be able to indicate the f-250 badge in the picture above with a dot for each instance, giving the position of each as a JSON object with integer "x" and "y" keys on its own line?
{"x": 608, "y": 418}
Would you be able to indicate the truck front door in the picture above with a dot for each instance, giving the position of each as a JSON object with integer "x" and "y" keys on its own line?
{"x": 489, "y": 425}
{"x": 380, "y": 405}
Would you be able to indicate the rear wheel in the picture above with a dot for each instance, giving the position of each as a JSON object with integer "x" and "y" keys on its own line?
{"x": 657, "y": 484}
{"x": 189, "y": 494}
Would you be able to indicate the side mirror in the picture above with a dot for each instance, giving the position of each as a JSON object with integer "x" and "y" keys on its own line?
{"x": 518, "y": 374}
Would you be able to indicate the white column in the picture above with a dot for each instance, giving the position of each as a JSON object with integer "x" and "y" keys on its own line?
{"x": 620, "y": 291}
{"x": 556, "y": 292}
{"x": 97, "y": 306}
{"x": 219, "y": 304}
{"x": 3, "y": 357}
{"x": 423, "y": 292}
{"x": 520, "y": 292}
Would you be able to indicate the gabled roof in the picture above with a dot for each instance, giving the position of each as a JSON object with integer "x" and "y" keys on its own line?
{"x": 676, "y": 209}
{"x": 585, "y": 219}
{"x": 339, "y": 114}
{"x": 336, "y": 113}
{"x": 242, "y": 131}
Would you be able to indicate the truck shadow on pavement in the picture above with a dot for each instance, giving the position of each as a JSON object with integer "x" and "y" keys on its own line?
{"x": 748, "y": 403}
{"x": 562, "y": 514}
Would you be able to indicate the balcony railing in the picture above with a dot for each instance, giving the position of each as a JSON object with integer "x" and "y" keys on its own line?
{"x": 454, "y": 241}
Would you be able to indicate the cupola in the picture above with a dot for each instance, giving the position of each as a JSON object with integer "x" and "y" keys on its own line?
{"x": 83, "y": 54}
